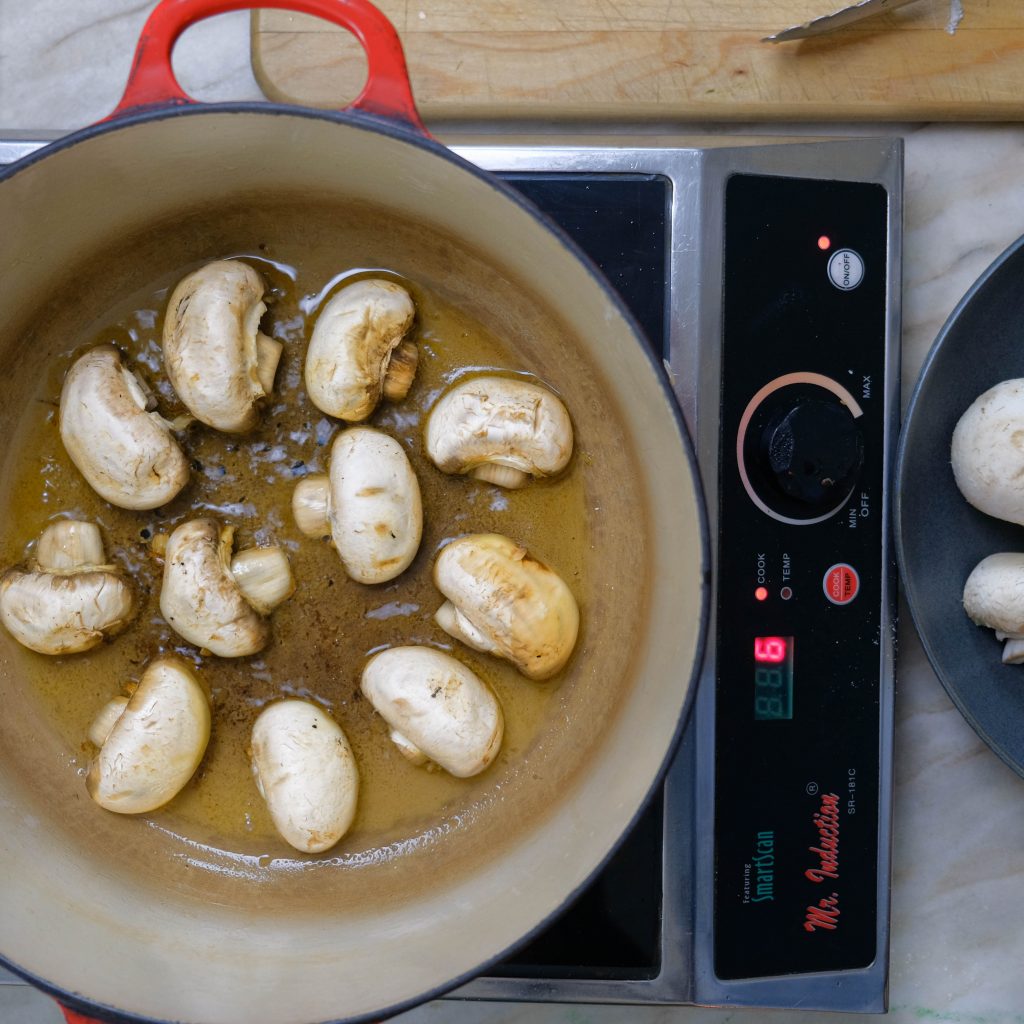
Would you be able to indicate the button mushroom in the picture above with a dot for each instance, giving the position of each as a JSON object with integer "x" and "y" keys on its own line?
{"x": 151, "y": 743}
{"x": 119, "y": 443}
{"x": 70, "y": 598}
{"x": 218, "y": 602}
{"x": 305, "y": 771}
{"x": 994, "y": 597}
{"x": 217, "y": 359}
{"x": 370, "y": 505}
{"x": 503, "y": 602}
{"x": 436, "y": 707}
{"x": 499, "y": 430}
{"x": 357, "y": 354}
{"x": 988, "y": 452}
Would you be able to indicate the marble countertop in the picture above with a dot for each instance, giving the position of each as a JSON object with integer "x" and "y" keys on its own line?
{"x": 958, "y": 883}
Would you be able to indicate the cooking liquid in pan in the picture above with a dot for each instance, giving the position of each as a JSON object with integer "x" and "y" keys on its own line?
{"x": 322, "y": 635}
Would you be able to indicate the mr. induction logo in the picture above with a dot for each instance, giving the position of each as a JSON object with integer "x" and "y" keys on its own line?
{"x": 825, "y": 914}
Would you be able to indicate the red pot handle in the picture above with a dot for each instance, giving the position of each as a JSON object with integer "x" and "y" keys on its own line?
{"x": 387, "y": 93}
{"x": 76, "y": 1018}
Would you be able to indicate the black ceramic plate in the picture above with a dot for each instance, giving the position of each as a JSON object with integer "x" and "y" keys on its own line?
{"x": 939, "y": 536}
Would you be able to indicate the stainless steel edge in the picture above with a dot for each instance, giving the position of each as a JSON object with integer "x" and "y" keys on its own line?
{"x": 14, "y": 148}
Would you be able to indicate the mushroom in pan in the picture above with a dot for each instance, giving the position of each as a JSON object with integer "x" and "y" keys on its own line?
{"x": 369, "y": 505}
{"x": 994, "y": 597}
{"x": 150, "y": 743}
{"x": 988, "y": 452}
{"x": 500, "y": 430}
{"x": 120, "y": 444}
{"x": 217, "y": 359}
{"x": 305, "y": 771}
{"x": 70, "y": 598}
{"x": 503, "y": 602}
{"x": 437, "y": 709}
{"x": 217, "y": 602}
{"x": 357, "y": 352}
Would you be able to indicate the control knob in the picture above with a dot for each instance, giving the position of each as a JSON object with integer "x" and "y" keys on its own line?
{"x": 814, "y": 450}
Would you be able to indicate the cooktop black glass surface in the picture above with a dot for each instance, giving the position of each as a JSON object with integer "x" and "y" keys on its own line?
{"x": 612, "y": 930}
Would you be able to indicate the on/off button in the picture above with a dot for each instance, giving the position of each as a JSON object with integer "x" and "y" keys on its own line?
{"x": 841, "y": 583}
{"x": 846, "y": 269}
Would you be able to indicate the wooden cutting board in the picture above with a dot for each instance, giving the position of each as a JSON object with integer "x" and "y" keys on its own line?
{"x": 664, "y": 59}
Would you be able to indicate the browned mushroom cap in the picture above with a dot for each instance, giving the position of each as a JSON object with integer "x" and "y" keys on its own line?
{"x": 151, "y": 743}
{"x": 503, "y": 602}
{"x": 69, "y": 599}
{"x": 352, "y": 357}
{"x": 500, "y": 430}
{"x": 305, "y": 771}
{"x": 126, "y": 453}
{"x": 218, "y": 361}
{"x": 370, "y": 505}
{"x": 437, "y": 708}
{"x": 207, "y": 603}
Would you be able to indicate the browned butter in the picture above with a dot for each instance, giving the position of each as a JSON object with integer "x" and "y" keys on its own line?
{"x": 324, "y": 634}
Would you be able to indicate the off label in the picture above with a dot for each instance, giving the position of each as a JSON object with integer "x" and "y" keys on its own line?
{"x": 841, "y": 583}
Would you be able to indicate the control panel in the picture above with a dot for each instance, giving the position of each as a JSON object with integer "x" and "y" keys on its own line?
{"x": 800, "y": 580}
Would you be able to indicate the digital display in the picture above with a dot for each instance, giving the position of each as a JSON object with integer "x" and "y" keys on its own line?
{"x": 773, "y": 678}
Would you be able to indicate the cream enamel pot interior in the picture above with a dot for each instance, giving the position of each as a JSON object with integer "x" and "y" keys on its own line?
{"x": 118, "y": 919}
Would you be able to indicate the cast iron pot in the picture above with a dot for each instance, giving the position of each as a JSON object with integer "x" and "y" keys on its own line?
{"x": 122, "y": 921}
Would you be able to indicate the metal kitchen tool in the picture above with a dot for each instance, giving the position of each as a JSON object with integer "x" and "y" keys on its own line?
{"x": 837, "y": 19}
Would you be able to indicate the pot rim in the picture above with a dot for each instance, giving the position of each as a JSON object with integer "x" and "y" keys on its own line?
{"x": 399, "y": 132}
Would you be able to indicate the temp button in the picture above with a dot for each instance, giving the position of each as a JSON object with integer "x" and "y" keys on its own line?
{"x": 841, "y": 583}
{"x": 845, "y": 269}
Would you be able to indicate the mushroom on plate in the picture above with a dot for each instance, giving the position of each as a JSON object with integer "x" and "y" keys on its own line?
{"x": 70, "y": 597}
{"x": 357, "y": 353}
{"x": 305, "y": 771}
{"x": 437, "y": 708}
{"x": 120, "y": 444}
{"x": 988, "y": 451}
{"x": 218, "y": 361}
{"x": 500, "y": 430}
{"x": 150, "y": 743}
{"x": 369, "y": 505}
{"x": 503, "y": 602}
{"x": 217, "y": 602}
{"x": 994, "y": 597}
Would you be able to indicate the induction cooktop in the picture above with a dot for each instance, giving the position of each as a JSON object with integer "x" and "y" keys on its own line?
{"x": 765, "y": 274}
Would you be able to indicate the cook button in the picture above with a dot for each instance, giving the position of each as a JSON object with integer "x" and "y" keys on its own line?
{"x": 845, "y": 269}
{"x": 841, "y": 583}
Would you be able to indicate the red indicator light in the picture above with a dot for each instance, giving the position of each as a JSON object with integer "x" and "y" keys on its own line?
{"x": 824, "y": 242}
{"x": 770, "y": 649}
{"x": 761, "y": 593}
